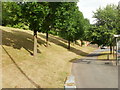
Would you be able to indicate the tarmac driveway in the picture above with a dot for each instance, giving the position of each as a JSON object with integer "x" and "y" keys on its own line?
{"x": 92, "y": 73}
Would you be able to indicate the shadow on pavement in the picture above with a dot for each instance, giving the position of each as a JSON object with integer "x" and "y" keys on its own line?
{"x": 95, "y": 54}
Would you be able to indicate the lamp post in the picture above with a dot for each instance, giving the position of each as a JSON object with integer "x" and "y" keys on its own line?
{"x": 116, "y": 36}
{"x": 116, "y": 52}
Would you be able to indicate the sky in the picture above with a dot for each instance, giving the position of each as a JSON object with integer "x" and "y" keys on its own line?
{"x": 87, "y": 7}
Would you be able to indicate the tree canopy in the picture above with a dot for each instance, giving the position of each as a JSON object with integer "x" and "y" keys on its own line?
{"x": 69, "y": 21}
{"x": 105, "y": 26}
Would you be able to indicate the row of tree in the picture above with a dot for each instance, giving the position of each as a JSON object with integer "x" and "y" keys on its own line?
{"x": 107, "y": 24}
{"x": 62, "y": 18}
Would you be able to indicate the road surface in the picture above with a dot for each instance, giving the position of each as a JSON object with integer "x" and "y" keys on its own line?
{"x": 92, "y": 73}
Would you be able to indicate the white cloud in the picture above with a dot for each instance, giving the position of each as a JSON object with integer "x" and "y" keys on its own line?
{"x": 88, "y": 6}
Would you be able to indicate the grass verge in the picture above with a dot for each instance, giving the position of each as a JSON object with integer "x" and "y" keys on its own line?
{"x": 106, "y": 56}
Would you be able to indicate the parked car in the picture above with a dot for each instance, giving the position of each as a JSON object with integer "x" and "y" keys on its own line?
{"x": 104, "y": 47}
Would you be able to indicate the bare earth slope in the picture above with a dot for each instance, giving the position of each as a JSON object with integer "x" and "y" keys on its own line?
{"x": 48, "y": 70}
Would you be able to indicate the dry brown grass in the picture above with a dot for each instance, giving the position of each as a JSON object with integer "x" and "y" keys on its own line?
{"x": 49, "y": 69}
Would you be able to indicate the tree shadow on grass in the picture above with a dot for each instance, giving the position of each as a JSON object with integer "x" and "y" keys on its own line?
{"x": 19, "y": 39}
{"x": 57, "y": 42}
{"x": 58, "y": 38}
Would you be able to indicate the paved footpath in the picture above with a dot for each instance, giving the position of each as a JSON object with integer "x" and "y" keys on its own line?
{"x": 92, "y": 73}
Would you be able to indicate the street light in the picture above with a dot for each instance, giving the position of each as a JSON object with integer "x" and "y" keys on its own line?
{"x": 116, "y": 36}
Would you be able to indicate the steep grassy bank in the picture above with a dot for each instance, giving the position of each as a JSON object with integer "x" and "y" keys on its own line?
{"x": 48, "y": 70}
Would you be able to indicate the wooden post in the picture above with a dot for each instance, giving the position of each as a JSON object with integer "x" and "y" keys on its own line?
{"x": 116, "y": 52}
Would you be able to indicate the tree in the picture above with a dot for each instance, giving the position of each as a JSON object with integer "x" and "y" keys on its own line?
{"x": 118, "y": 19}
{"x": 34, "y": 13}
{"x": 87, "y": 26}
{"x": 48, "y": 22}
{"x": 105, "y": 26}
{"x": 69, "y": 22}
{"x": 79, "y": 26}
{"x": 11, "y": 13}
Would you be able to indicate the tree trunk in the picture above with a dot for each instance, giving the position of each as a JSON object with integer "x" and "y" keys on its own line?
{"x": 68, "y": 44}
{"x": 73, "y": 42}
{"x": 110, "y": 49}
{"x": 47, "y": 39}
{"x": 113, "y": 51}
{"x": 35, "y": 43}
{"x": 81, "y": 43}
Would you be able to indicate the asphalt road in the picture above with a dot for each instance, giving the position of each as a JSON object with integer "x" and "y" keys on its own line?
{"x": 92, "y": 73}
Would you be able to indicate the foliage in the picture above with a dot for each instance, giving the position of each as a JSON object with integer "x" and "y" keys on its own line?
{"x": 49, "y": 18}
{"x": 87, "y": 26}
{"x": 118, "y": 19}
{"x": 69, "y": 21}
{"x": 34, "y": 13}
{"x": 105, "y": 27}
{"x": 59, "y": 18}
{"x": 12, "y": 16}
